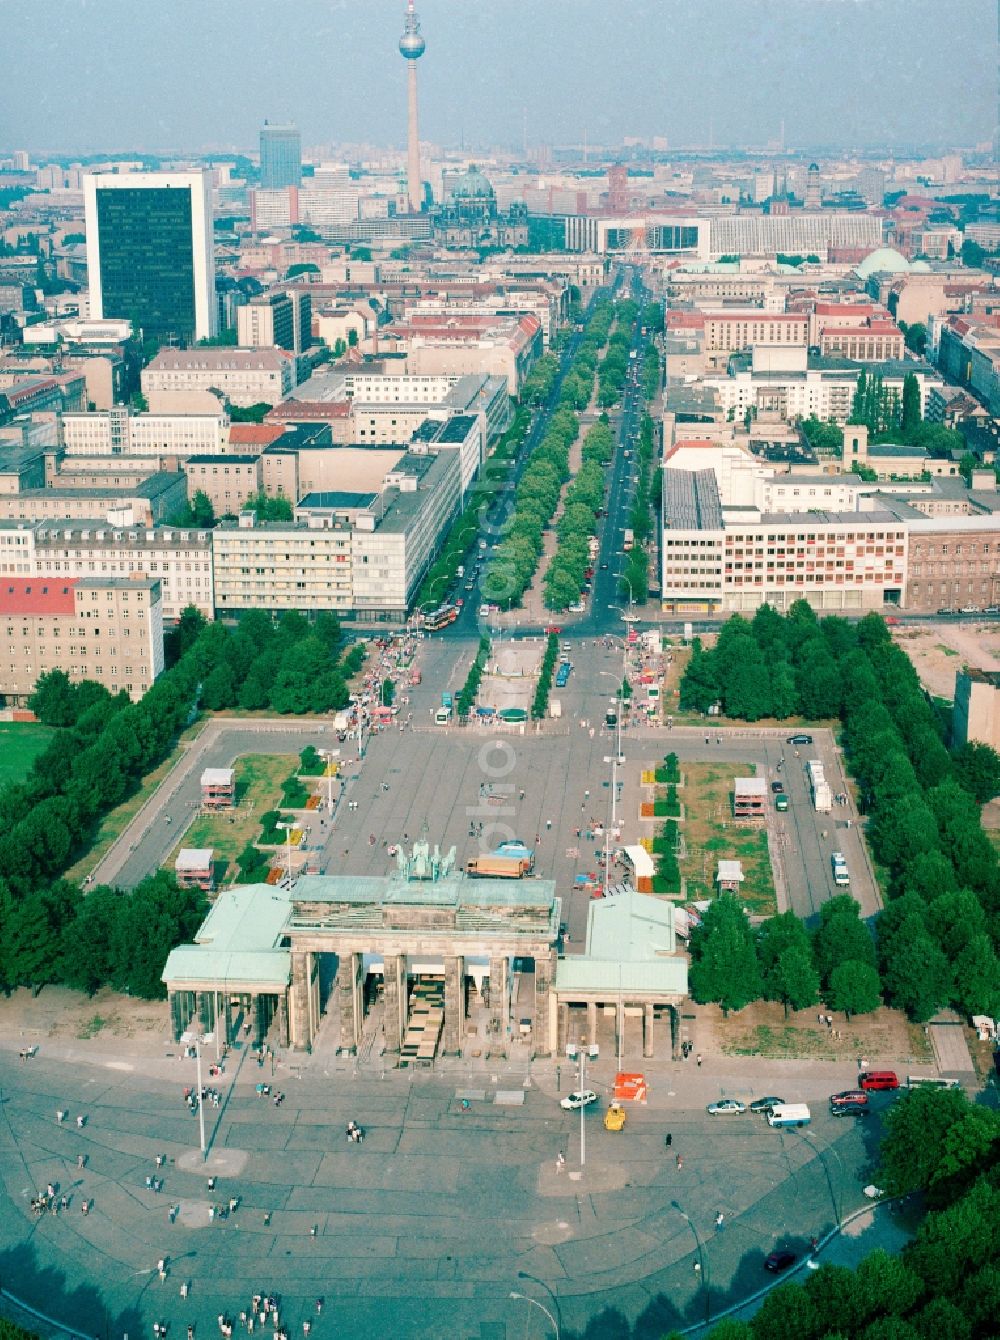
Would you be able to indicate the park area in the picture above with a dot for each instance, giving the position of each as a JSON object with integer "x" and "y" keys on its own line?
{"x": 20, "y": 745}
{"x": 258, "y": 790}
{"x": 710, "y": 835}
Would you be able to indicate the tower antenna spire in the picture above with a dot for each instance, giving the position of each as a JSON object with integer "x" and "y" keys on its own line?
{"x": 411, "y": 47}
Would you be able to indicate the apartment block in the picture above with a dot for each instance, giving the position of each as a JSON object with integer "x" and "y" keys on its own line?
{"x": 104, "y": 629}
{"x": 728, "y": 332}
{"x": 243, "y": 376}
{"x": 179, "y": 558}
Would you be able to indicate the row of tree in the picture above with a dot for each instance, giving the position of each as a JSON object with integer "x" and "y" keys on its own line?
{"x": 578, "y": 524}
{"x": 937, "y": 937}
{"x": 103, "y": 749}
{"x": 516, "y": 558}
{"x": 891, "y": 418}
{"x": 613, "y": 367}
{"x": 635, "y": 575}
{"x": 733, "y": 963}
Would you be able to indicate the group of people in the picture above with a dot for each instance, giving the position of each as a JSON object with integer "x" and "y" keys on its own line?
{"x": 81, "y": 1120}
{"x": 355, "y": 1133}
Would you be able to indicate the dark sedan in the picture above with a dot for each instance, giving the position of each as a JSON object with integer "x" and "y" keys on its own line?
{"x": 779, "y": 1261}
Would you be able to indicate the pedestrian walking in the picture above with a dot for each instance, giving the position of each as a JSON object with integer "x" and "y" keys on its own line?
{"x": 184, "y": 1289}
{"x": 81, "y": 1160}
{"x": 81, "y": 1122}
{"x": 319, "y": 1306}
{"x": 719, "y": 1218}
{"x": 560, "y": 1162}
{"x": 669, "y": 1140}
{"x": 680, "y": 1163}
{"x": 60, "y": 1117}
{"x": 698, "y": 1059}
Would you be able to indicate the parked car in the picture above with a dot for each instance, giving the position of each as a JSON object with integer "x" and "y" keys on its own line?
{"x": 945, "y": 610}
{"x": 779, "y": 1261}
{"x": 777, "y": 787}
{"x": 726, "y": 1105}
{"x": 574, "y": 1101}
{"x": 762, "y": 1104}
{"x": 799, "y": 739}
{"x": 992, "y": 609}
{"x": 878, "y": 1079}
{"x": 969, "y": 609}
{"x": 849, "y": 1096}
{"x": 849, "y": 1109}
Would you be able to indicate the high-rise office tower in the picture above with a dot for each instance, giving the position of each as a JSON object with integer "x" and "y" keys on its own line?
{"x": 411, "y": 47}
{"x": 280, "y": 157}
{"x": 149, "y": 252}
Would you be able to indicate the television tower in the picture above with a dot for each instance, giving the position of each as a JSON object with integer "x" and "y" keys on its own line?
{"x": 411, "y": 47}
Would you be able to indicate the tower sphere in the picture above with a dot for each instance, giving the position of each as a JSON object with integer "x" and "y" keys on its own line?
{"x": 412, "y": 44}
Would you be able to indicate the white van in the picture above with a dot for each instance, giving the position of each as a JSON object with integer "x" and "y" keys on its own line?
{"x": 442, "y": 716}
{"x": 840, "y": 872}
{"x": 789, "y": 1114}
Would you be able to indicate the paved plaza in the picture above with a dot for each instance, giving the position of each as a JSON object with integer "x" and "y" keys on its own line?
{"x": 425, "y": 1228}
{"x": 428, "y": 1227}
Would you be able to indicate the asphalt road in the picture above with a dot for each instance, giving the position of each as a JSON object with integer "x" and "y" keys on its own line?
{"x": 426, "y": 1228}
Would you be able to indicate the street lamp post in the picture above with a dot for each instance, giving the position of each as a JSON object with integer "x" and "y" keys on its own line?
{"x": 541, "y": 1307}
{"x": 288, "y": 838}
{"x": 330, "y": 755}
{"x": 580, "y": 1054}
{"x": 198, "y": 1039}
{"x": 700, "y": 1270}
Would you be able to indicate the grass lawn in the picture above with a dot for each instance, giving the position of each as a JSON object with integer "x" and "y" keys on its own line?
{"x": 20, "y": 745}
{"x": 883, "y": 1033}
{"x": 258, "y": 789}
{"x": 710, "y": 835}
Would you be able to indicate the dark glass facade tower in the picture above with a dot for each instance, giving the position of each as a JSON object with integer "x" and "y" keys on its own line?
{"x": 147, "y": 260}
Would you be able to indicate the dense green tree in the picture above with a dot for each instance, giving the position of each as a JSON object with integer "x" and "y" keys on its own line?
{"x": 841, "y": 936}
{"x": 917, "y": 976}
{"x": 951, "y": 1245}
{"x": 700, "y": 686}
{"x": 977, "y": 768}
{"x": 911, "y": 415}
{"x": 724, "y": 965}
{"x": 854, "y": 987}
{"x": 885, "y": 1285}
{"x": 976, "y": 970}
{"x": 53, "y": 700}
{"x": 916, "y": 337}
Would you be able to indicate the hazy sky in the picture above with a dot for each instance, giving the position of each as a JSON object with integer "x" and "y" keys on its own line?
{"x": 90, "y": 75}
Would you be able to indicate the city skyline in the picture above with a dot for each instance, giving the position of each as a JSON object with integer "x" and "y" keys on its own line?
{"x": 847, "y": 73}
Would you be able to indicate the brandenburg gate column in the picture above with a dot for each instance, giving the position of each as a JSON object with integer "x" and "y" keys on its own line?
{"x": 300, "y": 1029}
{"x": 499, "y": 1004}
{"x": 347, "y": 999}
{"x": 393, "y": 1006}
{"x": 544, "y": 972}
{"x": 454, "y": 1005}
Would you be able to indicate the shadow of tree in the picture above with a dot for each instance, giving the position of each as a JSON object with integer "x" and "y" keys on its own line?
{"x": 45, "y": 1289}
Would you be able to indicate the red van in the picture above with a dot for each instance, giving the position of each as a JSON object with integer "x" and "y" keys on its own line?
{"x": 878, "y": 1079}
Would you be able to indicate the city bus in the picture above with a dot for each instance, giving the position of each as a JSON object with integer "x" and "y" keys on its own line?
{"x": 440, "y": 618}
